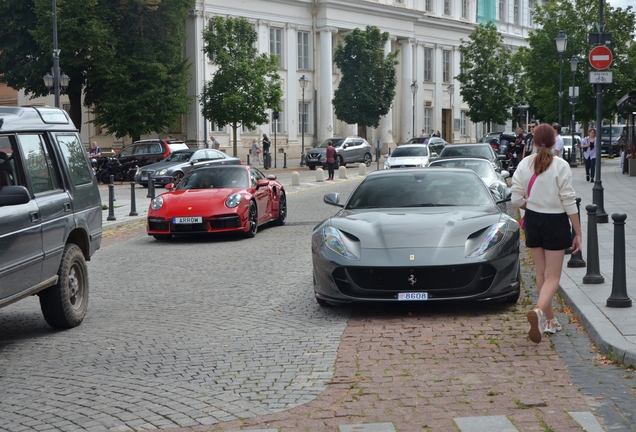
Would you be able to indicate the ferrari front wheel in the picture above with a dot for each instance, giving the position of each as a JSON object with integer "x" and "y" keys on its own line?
{"x": 252, "y": 220}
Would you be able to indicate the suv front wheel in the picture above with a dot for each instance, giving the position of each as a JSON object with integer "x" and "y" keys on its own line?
{"x": 64, "y": 305}
{"x": 367, "y": 159}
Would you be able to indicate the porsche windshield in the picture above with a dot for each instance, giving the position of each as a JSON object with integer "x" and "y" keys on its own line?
{"x": 424, "y": 188}
{"x": 214, "y": 179}
{"x": 410, "y": 152}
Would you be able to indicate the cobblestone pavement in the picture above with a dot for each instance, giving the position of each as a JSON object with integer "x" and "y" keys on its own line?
{"x": 240, "y": 343}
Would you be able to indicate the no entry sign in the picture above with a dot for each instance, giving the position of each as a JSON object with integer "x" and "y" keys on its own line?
{"x": 600, "y": 57}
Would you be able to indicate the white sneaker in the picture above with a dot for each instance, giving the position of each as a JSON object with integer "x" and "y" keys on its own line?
{"x": 537, "y": 321}
{"x": 552, "y": 326}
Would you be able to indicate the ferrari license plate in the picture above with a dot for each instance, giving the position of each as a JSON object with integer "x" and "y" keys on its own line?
{"x": 413, "y": 296}
{"x": 187, "y": 220}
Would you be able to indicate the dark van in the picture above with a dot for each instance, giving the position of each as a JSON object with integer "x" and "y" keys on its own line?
{"x": 50, "y": 213}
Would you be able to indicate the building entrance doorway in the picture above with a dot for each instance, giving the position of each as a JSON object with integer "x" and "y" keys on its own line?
{"x": 447, "y": 125}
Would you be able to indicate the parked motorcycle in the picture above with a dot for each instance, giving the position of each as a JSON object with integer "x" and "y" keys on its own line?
{"x": 120, "y": 172}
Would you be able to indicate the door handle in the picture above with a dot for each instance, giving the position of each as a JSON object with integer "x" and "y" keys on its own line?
{"x": 67, "y": 207}
{"x": 34, "y": 217}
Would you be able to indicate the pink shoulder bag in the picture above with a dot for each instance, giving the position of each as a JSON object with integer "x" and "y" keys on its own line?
{"x": 532, "y": 179}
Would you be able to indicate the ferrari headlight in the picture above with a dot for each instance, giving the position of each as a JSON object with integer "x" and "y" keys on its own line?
{"x": 233, "y": 200}
{"x": 493, "y": 237}
{"x": 163, "y": 171}
{"x": 156, "y": 203}
{"x": 337, "y": 242}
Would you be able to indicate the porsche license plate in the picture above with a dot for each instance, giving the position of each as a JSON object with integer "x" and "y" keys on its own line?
{"x": 413, "y": 296}
{"x": 187, "y": 220}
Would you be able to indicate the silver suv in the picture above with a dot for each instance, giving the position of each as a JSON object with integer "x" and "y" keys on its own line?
{"x": 349, "y": 150}
{"x": 50, "y": 213}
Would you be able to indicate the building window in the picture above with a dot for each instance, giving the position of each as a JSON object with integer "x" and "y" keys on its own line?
{"x": 463, "y": 123}
{"x": 447, "y": 10}
{"x": 446, "y": 66}
{"x": 530, "y": 8}
{"x": 303, "y": 50}
{"x": 277, "y": 125}
{"x": 276, "y": 44}
{"x": 427, "y": 6}
{"x": 428, "y": 64}
{"x": 465, "y": 9}
{"x": 517, "y": 12}
{"x": 214, "y": 127}
{"x": 502, "y": 10}
{"x": 462, "y": 69}
{"x": 428, "y": 119}
{"x": 303, "y": 117}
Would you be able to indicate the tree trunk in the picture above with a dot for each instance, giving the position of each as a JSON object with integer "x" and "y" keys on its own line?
{"x": 234, "y": 146}
{"x": 75, "y": 98}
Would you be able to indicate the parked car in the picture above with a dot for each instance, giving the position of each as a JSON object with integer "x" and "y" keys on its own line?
{"x": 178, "y": 163}
{"x": 410, "y": 155}
{"x": 416, "y": 234}
{"x": 50, "y": 213}
{"x": 612, "y": 137}
{"x": 218, "y": 199}
{"x": 348, "y": 150}
{"x": 481, "y": 150}
{"x": 495, "y": 181}
{"x": 437, "y": 142}
{"x": 490, "y": 135}
{"x": 567, "y": 146}
{"x": 146, "y": 152}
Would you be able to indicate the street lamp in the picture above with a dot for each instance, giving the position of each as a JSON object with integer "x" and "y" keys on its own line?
{"x": 574, "y": 99}
{"x": 56, "y": 82}
{"x": 414, "y": 91}
{"x": 561, "y": 43}
{"x": 303, "y": 80}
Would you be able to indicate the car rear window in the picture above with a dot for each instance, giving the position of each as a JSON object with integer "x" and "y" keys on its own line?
{"x": 178, "y": 146}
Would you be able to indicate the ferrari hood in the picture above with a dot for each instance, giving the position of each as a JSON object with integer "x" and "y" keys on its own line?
{"x": 446, "y": 227}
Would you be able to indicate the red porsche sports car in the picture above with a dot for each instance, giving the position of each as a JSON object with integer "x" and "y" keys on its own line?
{"x": 218, "y": 199}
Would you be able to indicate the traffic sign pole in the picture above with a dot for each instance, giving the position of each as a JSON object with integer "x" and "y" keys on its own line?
{"x": 599, "y": 59}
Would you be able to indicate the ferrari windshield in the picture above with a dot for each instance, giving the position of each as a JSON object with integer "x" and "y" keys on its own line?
{"x": 410, "y": 151}
{"x": 421, "y": 188}
{"x": 483, "y": 168}
{"x": 179, "y": 157}
{"x": 215, "y": 178}
{"x": 337, "y": 142}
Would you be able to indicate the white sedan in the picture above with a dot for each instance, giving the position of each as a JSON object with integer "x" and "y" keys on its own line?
{"x": 409, "y": 156}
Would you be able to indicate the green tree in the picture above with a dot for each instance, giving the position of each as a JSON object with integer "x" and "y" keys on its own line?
{"x": 541, "y": 60}
{"x": 107, "y": 49}
{"x": 367, "y": 85}
{"x": 486, "y": 77}
{"x": 245, "y": 84}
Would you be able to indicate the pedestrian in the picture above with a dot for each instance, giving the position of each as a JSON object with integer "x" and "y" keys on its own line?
{"x": 432, "y": 133}
{"x": 256, "y": 151}
{"x": 589, "y": 155}
{"x": 521, "y": 144}
{"x": 215, "y": 143}
{"x": 438, "y": 134}
{"x": 330, "y": 157}
{"x": 266, "y": 145}
{"x": 547, "y": 230}
{"x": 530, "y": 138}
{"x": 423, "y": 134}
{"x": 558, "y": 147}
{"x": 95, "y": 150}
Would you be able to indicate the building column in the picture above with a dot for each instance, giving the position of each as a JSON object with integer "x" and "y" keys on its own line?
{"x": 386, "y": 122}
{"x": 263, "y": 48}
{"x": 292, "y": 88}
{"x": 194, "y": 129}
{"x": 436, "y": 121}
{"x": 406, "y": 125}
{"x": 325, "y": 95}
{"x": 419, "y": 99}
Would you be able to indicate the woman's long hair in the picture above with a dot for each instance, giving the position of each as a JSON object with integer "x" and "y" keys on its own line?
{"x": 544, "y": 139}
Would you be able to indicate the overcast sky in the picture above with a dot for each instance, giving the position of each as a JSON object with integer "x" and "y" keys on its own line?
{"x": 622, "y": 3}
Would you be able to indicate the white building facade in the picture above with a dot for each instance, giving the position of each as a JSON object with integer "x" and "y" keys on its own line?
{"x": 304, "y": 33}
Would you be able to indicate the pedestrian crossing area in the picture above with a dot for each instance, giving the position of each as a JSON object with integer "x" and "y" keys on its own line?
{"x": 467, "y": 424}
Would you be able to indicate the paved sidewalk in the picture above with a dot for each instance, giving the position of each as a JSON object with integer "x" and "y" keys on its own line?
{"x": 612, "y": 329}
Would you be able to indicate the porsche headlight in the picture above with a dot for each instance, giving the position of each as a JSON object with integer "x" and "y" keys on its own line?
{"x": 156, "y": 203}
{"x": 338, "y": 243}
{"x": 163, "y": 171}
{"x": 493, "y": 237}
{"x": 233, "y": 200}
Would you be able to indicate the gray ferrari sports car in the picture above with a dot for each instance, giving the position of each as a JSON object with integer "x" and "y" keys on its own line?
{"x": 417, "y": 234}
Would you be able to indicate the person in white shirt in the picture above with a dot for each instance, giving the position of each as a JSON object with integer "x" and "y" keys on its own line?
{"x": 558, "y": 146}
{"x": 589, "y": 155}
{"x": 548, "y": 205}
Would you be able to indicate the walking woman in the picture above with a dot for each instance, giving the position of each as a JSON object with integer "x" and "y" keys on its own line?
{"x": 589, "y": 155}
{"x": 547, "y": 228}
{"x": 330, "y": 156}
{"x": 255, "y": 151}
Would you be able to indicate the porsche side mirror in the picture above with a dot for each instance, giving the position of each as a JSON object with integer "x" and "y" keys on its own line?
{"x": 170, "y": 186}
{"x": 333, "y": 198}
{"x": 271, "y": 177}
{"x": 262, "y": 183}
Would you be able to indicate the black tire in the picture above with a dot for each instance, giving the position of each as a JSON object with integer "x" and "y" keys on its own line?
{"x": 176, "y": 177}
{"x": 312, "y": 167}
{"x": 341, "y": 162}
{"x": 162, "y": 237}
{"x": 252, "y": 216}
{"x": 282, "y": 210}
{"x": 514, "y": 298}
{"x": 64, "y": 305}
{"x": 104, "y": 178}
{"x": 368, "y": 159}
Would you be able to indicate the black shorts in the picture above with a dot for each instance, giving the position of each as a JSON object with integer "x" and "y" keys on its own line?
{"x": 550, "y": 231}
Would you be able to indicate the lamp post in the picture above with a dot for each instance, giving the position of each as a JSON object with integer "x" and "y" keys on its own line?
{"x": 303, "y": 80}
{"x": 414, "y": 91}
{"x": 574, "y": 99}
{"x": 561, "y": 43}
{"x": 52, "y": 82}
{"x": 451, "y": 90}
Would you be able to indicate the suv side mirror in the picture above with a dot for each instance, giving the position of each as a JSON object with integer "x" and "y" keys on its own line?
{"x": 344, "y": 146}
{"x": 14, "y": 195}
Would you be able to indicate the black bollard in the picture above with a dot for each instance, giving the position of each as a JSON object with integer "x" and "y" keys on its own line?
{"x": 151, "y": 188}
{"x": 133, "y": 205}
{"x": 619, "y": 297}
{"x": 285, "y": 160}
{"x": 593, "y": 275}
{"x": 248, "y": 159}
{"x": 111, "y": 179}
{"x": 576, "y": 260}
{"x": 111, "y": 203}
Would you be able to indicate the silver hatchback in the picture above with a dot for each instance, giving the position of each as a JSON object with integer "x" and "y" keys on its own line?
{"x": 348, "y": 150}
